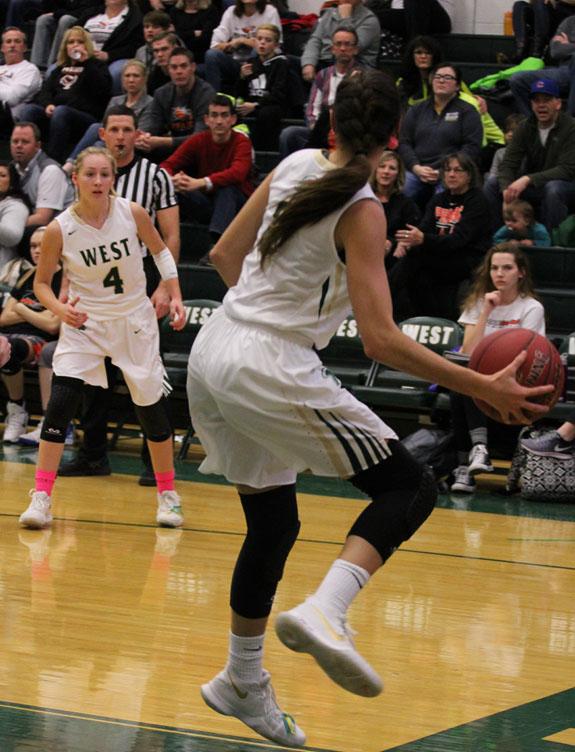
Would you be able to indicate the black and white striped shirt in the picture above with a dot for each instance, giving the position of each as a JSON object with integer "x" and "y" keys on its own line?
{"x": 146, "y": 184}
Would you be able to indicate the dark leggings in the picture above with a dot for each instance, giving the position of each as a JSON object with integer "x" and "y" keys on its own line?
{"x": 465, "y": 416}
{"x": 418, "y": 17}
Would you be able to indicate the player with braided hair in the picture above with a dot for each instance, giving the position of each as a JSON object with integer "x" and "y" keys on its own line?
{"x": 309, "y": 242}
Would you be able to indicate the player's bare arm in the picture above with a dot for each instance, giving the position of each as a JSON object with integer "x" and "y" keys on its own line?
{"x": 362, "y": 232}
{"x": 237, "y": 241}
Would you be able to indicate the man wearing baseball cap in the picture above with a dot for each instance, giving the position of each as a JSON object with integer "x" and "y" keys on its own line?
{"x": 562, "y": 52}
{"x": 539, "y": 163}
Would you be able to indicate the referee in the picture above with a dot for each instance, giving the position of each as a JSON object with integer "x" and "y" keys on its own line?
{"x": 145, "y": 183}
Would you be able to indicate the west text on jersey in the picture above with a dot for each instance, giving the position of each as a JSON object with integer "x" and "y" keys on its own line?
{"x": 103, "y": 254}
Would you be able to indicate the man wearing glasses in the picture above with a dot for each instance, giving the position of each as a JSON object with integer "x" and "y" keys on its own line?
{"x": 441, "y": 125}
{"x": 350, "y": 14}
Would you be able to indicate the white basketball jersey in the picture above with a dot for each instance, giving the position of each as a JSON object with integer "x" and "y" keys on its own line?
{"x": 104, "y": 266}
{"x": 302, "y": 289}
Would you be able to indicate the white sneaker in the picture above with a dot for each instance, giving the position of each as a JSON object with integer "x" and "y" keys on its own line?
{"x": 38, "y": 514}
{"x": 169, "y": 510}
{"x": 306, "y": 629}
{"x": 253, "y": 704}
{"x": 463, "y": 480}
{"x": 479, "y": 461}
{"x": 16, "y": 423}
{"x": 32, "y": 438}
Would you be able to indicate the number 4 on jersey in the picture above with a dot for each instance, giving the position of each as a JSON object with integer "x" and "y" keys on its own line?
{"x": 113, "y": 279}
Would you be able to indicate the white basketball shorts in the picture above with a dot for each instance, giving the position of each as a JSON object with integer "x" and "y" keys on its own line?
{"x": 265, "y": 409}
{"x": 133, "y": 344}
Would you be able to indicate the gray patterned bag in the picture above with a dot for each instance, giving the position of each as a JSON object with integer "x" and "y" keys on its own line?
{"x": 541, "y": 478}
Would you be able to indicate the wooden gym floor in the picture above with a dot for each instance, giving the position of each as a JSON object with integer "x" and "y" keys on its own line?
{"x": 108, "y": 625}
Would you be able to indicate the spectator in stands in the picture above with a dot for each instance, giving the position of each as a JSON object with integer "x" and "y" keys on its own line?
{"x": 13, "y": 213}
{"x": 163, "y": 44}
{"x": 421, "y": 55}
{"x": 50, "y": 27}
{"x": 73, "y": 96}
{"x": 155, "y": 22}
{"x": 178, "y": 108}
{"x": 440, "y": 125}
{"x": 520, "y": 227}
{"x": 19, "y": 12}
{"x": 27, "y": 325}
{"x": 559, "y": 444}
{"x": 442, "y": 251}
{"x": 212, "y": 171}
{"x": 117, "y": 34}
{"x": 233, "y": 41}
{"x": 400, "y": 211}
{"x": 344, "y": 48}
{"x": 194, "y": 22}
{"x": 42, "y": 179}
{"x": 539, "y": 163}
{"x": 410, "y": 18}
{"x": 512, "y": 122}
{"x": 134, "y": 79}
{"x": 20, "y": 81}
{"x": 352, "y": 14}
{"x": 535, "y": 22}
{"x": 142, "y": 181}
{"x": 502, "y": 297}
{"x": 263, "y": 89}
{"x": 561, "y": 51}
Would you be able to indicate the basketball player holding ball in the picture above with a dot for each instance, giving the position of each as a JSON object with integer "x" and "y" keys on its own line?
{"x": 310, "y": 242}
{"x": 502, "y": 297}
{"x": 97, "y": 240}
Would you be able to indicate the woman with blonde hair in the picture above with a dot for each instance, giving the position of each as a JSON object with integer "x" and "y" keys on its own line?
{"x": 107, "y": 314}
{"x": 387, "y": 182}
{"x": 134, "y": 80}
{"x": 73, "y": 95}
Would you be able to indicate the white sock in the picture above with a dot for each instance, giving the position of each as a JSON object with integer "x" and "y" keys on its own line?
{"x": 245, "y": 657}
{"x": 339, "y": 587}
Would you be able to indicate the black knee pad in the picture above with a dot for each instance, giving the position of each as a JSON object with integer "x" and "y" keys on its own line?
{"x": 403, "y": 492}
{"x": 64, "y": 401}
{"x": 273, "y": 527}
{"x": 154, "y": 420}
{"x": 18, "y": 354}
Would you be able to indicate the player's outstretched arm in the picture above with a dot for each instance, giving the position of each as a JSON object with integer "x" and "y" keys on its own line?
{"x": 362, "y": 232}
{"x": 239, "y": 238}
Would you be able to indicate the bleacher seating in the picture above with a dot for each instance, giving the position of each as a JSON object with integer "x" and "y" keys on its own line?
{"x": 383, "y": 388}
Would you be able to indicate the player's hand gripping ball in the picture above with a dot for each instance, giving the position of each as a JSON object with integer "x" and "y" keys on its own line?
{"x": 541, "y": 366}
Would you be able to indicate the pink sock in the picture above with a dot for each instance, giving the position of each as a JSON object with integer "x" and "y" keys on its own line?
{"x": 165, "y": 481}
{"x": 45, "y": 481}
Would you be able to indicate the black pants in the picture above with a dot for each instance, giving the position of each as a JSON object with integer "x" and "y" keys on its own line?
{"x": 417, "y": 17}
{"x": 425, "y": 283}
{"x": 465, "y": 416}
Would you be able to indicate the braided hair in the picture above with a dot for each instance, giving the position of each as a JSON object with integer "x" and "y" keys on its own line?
{"x": 366, "y": 111}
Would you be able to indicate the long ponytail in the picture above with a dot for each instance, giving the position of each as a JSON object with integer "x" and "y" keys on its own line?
{"x": 366, "y": 111}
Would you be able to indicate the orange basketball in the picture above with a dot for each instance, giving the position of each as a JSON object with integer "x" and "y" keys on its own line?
{"x": 542, "y": 366}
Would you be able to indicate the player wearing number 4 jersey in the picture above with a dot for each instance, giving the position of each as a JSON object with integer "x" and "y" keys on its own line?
{"x": 108, "y": 314}
{"x": 309, "y": 242}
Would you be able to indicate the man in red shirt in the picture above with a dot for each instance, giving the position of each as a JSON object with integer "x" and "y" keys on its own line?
{"x": 212, "y": 170}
